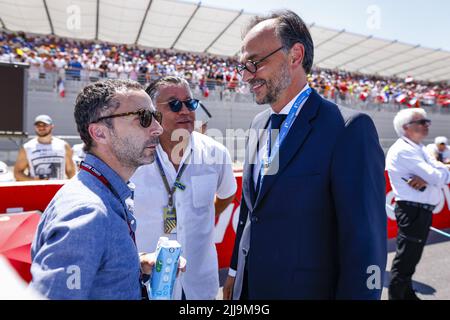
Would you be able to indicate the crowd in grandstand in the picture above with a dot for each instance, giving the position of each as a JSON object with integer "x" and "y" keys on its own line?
{"x": 66, "y": 59}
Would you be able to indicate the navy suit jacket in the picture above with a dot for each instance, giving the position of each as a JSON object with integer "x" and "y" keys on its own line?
{"x": 318, "y": 226}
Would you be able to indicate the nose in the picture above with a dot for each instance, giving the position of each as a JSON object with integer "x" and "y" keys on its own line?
{"x": 247, "y": 75}
{"x": 184, "y": 109}
{"x": 155, "y": 128}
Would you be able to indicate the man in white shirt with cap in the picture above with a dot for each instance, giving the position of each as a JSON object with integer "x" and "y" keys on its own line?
{"x": 416, "y": 180}
{"x": 45, "y": 157}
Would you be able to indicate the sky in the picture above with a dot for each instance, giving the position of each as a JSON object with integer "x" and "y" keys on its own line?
{"x": 416, "y": 22}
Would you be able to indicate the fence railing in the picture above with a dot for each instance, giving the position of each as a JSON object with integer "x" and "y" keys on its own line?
{"x": 211, "y": 89}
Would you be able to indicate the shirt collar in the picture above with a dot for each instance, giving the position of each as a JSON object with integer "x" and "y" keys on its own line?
{"x": 412, "y": 143}
{"x": 120, "y": 187}
{"x": 288, "y": 107}
{"x": 165, "y": 158}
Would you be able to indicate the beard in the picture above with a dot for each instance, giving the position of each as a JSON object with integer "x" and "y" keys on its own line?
{"x": 132, "y": 154}
{"x": 43, "y": 134}
{"x": 274, "y": 86}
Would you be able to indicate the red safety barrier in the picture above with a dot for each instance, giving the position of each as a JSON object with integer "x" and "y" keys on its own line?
{"x": 28, "y": 196}
{"x": 441, "y": 216}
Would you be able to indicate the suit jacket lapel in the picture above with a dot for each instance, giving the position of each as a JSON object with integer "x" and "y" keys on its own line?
{"x": 255, "y": 134}
{"x": 292, "y": 143}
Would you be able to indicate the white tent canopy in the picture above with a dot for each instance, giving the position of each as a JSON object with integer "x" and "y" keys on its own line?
{"x": 197, "y": 28}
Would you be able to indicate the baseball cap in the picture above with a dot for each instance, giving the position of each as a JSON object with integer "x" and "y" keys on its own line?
{"x": 440, "y": 140}
{"x": 43, "y": 118}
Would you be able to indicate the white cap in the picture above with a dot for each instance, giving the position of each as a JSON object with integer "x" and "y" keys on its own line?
{"x": 43, "y": 118}
{"x": 440, "y": 140}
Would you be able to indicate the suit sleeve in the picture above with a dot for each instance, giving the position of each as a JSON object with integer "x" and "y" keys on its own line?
{"x": 243, "y": 213}
{"x": 358, "y": 187}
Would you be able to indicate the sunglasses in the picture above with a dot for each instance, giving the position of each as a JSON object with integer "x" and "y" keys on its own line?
{"x": 422, "y": 122}
{"x": 176, "y": 105}
{"x": 145, "y": 116}
{"x": 252, "y": 66}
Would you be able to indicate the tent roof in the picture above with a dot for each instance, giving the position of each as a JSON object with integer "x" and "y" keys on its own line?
{"x": 197, "y": 28}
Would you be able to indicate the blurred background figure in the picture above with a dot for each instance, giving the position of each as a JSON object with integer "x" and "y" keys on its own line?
{"x": 78, "y": 153}
{"x": 44, "y": 157}
{"x": 5, "y": 174}
{"x": 416, "y": 181}
{"x": 440, "y": 150}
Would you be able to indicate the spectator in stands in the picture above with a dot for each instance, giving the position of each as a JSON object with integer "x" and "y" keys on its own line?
{"x": 60, "y": 65}
{"x": 73, "y": 71}
{"x": 416, "y": 181}
{"x": 332, "y": 84}
{"x": 44, "y": 157}
{"x": 85, "y": 246}
{"x": 188, "y": 189}
{"x": 35, "y": 64}
{"x": 440, "y": 150}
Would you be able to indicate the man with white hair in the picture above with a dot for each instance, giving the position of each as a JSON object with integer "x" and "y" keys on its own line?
{"x": 416, "y": 181}
{"x": 440, "y": 150}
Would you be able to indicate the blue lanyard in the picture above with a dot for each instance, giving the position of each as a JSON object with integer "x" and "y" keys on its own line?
{"x": 285, "y": 128}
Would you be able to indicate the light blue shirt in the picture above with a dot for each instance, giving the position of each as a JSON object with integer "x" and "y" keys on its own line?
{"x": 83, "y": 248}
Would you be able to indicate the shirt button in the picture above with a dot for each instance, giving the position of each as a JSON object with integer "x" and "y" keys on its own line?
{"x": 255, "y": 219}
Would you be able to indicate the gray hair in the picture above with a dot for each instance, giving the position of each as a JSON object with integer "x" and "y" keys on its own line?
{"x": 290, "y": 29}
{"x": 405, "y": 116}
{"x": 154, "y": 87}
{"x": 96, "y": 100}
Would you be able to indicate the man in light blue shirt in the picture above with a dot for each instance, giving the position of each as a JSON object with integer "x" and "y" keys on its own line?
{"x": 85, "y": 245}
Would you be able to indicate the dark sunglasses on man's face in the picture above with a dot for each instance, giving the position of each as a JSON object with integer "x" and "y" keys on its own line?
{"x": 422, "y": 122}
{"x": 145, "y": 116}
{"x": 177, "y": 105}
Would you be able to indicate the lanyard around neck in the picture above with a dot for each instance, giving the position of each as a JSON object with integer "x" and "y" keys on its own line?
{"x": 285, "y": 128}
{"x": 177, "y": 183}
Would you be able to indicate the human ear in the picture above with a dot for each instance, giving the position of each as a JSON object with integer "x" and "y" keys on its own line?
{"x": 97, "y": 132}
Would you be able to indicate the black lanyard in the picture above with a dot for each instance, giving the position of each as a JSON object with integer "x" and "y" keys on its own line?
{"x": 90, "y": 169}
{"x": 177, "y": 183}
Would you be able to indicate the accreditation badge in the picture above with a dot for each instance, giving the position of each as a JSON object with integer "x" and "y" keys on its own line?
{"x": 170, "y": 220}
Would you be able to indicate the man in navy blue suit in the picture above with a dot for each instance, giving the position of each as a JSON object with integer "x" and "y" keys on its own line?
{"x": 312, "y": 222}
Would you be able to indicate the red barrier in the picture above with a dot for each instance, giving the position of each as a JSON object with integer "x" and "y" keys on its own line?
{"x": 441, "y": 216}
{"x": 27, "y": 196}
{"x": 36, "y": 195}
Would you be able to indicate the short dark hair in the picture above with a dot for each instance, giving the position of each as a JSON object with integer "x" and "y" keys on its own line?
{"x": 153, "y": 88}
{"x": 290, "y": 29}
{"x": 97, "y": 100}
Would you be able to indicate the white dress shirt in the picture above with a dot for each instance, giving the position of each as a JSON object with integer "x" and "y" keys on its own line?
{"x": 263, "y": 143}
{"x": 406, "y": 159}
{"x": 209, "y": 173}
